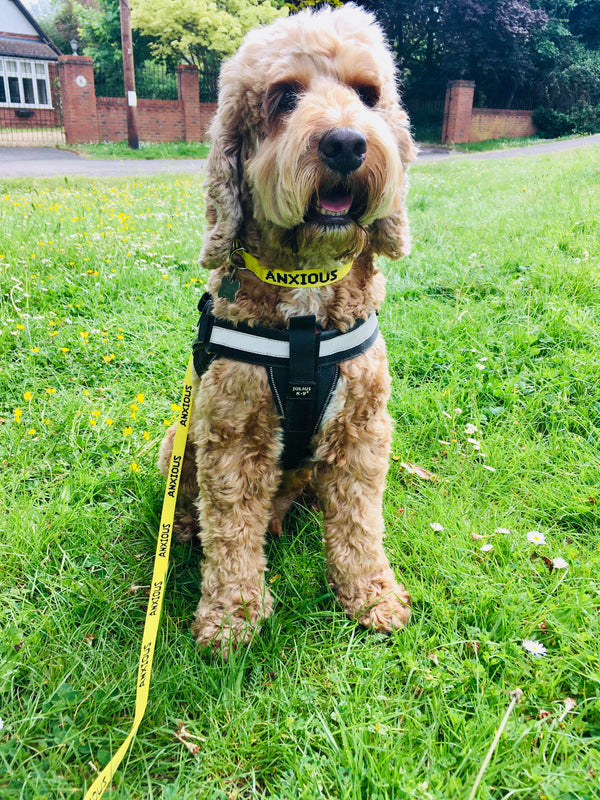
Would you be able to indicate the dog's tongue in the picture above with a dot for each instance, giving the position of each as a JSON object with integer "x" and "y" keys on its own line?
{"x": 336, "y": 203}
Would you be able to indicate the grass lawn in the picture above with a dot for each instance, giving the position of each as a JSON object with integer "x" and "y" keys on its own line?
{"x": 147, "y": 150}
{"x": 493, "y": 331}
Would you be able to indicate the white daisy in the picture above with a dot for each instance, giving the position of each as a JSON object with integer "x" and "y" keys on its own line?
{"x": 533, "y": 647}
{"x": 535, "y": 537}
{"x": 475, "y": 442}
{"x": 435, "y": 526}
{"x": 470, "y": 429}
{"x": 560, "y": 563}
{"x": 485, "y": 548}
{"x": 501, "y": 530}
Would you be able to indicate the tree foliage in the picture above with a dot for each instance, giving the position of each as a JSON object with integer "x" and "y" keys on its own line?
{"x": 194, "y": 31}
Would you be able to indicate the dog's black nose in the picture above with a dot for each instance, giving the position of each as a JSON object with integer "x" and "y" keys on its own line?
{"x": 343, "y": 149}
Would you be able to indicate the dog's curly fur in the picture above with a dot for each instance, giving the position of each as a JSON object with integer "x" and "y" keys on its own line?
{"x": 289, "y": 85}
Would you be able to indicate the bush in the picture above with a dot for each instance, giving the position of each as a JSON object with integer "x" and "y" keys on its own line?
{"x": 551, "y": 123}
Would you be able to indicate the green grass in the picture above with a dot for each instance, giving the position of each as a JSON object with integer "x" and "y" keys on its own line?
{"x": 498, "y": 144}
{"x": 492, "y": 322}
{"x": 146, "y": 150}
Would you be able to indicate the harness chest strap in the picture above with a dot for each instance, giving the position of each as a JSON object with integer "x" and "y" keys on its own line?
{"x": 302, "y": 365}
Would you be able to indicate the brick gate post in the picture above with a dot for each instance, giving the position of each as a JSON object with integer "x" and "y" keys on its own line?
{"x": 458, "y": 108}
{"x": 188, "y": 91}
{"x": 80, "y": 116}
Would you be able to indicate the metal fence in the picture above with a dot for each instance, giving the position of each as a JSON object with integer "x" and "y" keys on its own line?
{"x": 154, "y": 80}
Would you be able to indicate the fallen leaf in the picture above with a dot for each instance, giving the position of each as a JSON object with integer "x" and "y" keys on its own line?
{"x": 420, "y": 472}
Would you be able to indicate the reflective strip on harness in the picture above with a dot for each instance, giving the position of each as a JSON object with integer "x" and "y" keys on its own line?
{"x": 334, "y": 346}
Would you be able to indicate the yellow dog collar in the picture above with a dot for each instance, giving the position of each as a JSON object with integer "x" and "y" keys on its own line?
{"x": 294, "y": 278}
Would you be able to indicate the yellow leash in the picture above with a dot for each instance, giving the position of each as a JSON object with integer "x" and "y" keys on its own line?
{"x": 157, "y": 590}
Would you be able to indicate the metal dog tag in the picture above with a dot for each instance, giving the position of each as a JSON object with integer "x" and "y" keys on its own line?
{"x": 229, "y": 286}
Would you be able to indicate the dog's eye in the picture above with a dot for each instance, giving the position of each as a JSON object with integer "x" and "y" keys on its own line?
{"x": 288, "y": 100}
{"x": 369, "y": 95}
{"x": 282, "y": 99}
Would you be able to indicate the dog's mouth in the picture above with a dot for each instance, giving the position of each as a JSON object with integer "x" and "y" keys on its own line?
{"x": 335, "y": 207}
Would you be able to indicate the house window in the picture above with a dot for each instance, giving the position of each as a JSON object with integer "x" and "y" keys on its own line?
{"x": 24, "y": 83}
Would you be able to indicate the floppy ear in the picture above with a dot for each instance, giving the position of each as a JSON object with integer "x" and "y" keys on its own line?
{"x": 390, "y": 235}
{"x": 223, "y": 179}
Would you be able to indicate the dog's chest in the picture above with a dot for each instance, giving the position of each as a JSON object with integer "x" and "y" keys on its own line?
{"x": 307, "y": 302}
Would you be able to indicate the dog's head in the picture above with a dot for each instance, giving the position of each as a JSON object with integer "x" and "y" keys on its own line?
{"x": 310, "y": 141}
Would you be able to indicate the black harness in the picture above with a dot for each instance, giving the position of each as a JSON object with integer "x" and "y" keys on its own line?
{"x": 302, "y": 365}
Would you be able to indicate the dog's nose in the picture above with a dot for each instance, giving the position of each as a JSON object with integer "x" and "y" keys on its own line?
{"x": 343, "y": 149}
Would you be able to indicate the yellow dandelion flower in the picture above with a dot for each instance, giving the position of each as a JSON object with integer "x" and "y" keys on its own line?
{"x": 139, "y": 398}
{"x": 175, "y": 407}
{"x": 95, "y": 413}
{"x": 134, "y": 467}
{"x": 127, "y": 431}
{"x": 64, "y": 349}
{"x": 20, "y": 327}
{"x": 146, "y": 435}
{"x": 133, "y": 406}
{"x": 120, "y": 337}
{"x": 27, "y": 396}
{"x": 50, "y": 390}
{"x": 93, "y": 422}
{"x": 133, "y": 415}
{"x": 84, "y": 334}
{"x": 108, "y": 358}
{"x": 32, "y": 431}
{"x": 167, "y": 422}
{"x": 86, "y": 393}
{"x": 18, "y": 414}
{"x": 108, "y": 421}
{"x": 35, "y": 349}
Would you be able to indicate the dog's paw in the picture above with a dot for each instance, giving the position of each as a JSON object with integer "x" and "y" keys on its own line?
{"x": 223, "y": 627}
{"x": 380, "y": 604}
{"x": 391, "y": 612}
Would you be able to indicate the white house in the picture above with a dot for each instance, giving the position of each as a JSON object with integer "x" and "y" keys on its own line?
{"x": 28, "y": 60}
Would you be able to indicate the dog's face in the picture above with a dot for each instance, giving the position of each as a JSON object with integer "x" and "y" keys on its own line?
{"x": 310, "y": 140}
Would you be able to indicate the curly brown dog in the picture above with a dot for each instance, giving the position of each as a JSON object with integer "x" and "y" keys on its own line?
{"x": 307, "y": 174}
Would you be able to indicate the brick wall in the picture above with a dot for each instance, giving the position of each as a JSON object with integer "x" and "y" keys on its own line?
{"x": 463, "y": 123}
{"x": 37, "y": 118}
{"x": 89, "y": 118}
{"x": 492, "y": 123}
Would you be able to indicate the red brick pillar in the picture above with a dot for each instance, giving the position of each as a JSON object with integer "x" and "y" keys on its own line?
{"x": 78, "y": 93}
{"x": 458, "y": 108}
{"x": 188, "y": 91}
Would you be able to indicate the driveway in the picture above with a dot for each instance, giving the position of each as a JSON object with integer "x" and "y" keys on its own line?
{"x": 46, "y": 162}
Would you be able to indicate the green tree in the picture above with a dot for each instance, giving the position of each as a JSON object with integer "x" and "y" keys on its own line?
{"x": 200, "y": 32}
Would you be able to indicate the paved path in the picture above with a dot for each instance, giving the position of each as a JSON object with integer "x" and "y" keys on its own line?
{"x": 45, "y": 162}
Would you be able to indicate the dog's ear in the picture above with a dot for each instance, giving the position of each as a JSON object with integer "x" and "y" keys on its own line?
{"x": 390, "y": 235}
{"x": 223, "y": 180}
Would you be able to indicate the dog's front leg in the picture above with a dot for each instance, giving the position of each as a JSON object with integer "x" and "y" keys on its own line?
{"x": 238, "y": 443}
{"x": 350, "y": 479}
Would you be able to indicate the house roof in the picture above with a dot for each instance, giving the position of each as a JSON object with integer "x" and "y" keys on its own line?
{"x": 27, "y": 48}
{"x": 46, "y": 48}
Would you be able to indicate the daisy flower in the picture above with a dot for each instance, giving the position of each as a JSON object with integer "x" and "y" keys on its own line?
{"x": 485, "y": 548}
{"x": 435, "y": 526}
{"x": 470, "y": 429}
{"x": 560, "y": 563}
{"x": 501, "y": 530}
{"x": 533, "y": 647}
{"x": 535, "y": 537}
